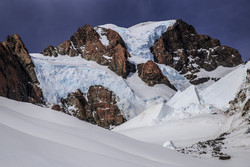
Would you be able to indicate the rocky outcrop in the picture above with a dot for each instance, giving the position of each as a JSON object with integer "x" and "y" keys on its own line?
{"x": 50, "y": 51}
{"x": 86, "y": 42}
{"x": 100, "y": 108}
{"x": 66, "y": 48}
{"x": 18, "y": 78}
{"x": 119, "y": 63}
{"x": 75, "y": 104}
{"x": 183, "y": 49}
{"x": 151, "y": 74}
{"x": 241, "y": 103}
{"x": 16, "y": 46}
{"x": 104, "y": 105}
{"x": 114, "y": 39}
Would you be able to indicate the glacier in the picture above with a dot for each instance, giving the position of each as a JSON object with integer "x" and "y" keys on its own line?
{"x": 59, "y": 76}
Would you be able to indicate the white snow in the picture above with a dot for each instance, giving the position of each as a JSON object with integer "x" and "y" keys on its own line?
{"x": 35, "y": 136}
{"x": 169, "y": 145}
{"x": 219, "y": 72}
{"x": 141, "y": 37}
{"x": 176, "y": 79}
{"x": 185, "y": 98}
{"x": 221, "y": 92}
{"x": 187, "y": 118}
{"x": 182, "y": 132}
{"x": 103, "y": 36}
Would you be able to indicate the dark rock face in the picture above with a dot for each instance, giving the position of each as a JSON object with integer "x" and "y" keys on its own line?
{"x": 16, "y": 46}
{"x": 50, "y": 51}
{"x": 183, "y": 49}
{"x": 18, "y": 78}
{"x": 103, "y": 103}
{"x": 114, "y": 39}
{"x": 213, "y": 148}
{"x": 75, "y": 104}
{"x": 86, "y": 41}
{"x": 119, "y": 63}
{"x": 99, "y": 109}
{"x": 241, "y": 102}
{"x": 85, "y": 35}
{"x": 151, "y": 74}
{"x": 66, "y": 48}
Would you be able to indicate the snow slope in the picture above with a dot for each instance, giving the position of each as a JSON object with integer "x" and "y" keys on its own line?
{"x": 191, "y": 116}
{"x": 192, "y": 103}
{"x": 36, "y": 136}
{"x": 221, "y": 92}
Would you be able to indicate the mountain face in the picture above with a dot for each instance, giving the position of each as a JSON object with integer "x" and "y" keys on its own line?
{"x": 18, "y": 78}
{"x": 135, "y": 68}
{"x": 99, "y": 109}
{"x": 101, "y": 45}
{"x": 241, "y": 103}
{"x": 151, "y": 74}
{"x": 188, "y": 52}
{"x": 157, "y": 82}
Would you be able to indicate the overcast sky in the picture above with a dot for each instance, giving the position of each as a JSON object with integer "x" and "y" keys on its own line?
{"x": 50, "y": 22}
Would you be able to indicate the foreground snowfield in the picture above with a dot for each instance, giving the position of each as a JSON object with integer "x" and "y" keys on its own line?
{"x": 36, "y": 136}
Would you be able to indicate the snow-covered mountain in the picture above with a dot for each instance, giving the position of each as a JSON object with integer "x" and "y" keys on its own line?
{"x": 160, "y": 83}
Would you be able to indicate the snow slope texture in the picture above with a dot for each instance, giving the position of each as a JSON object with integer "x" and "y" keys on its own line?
{"x": 223, "y": 91}
{"x": 35, "y": 136}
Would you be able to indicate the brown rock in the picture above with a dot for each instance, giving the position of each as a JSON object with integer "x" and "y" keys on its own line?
{"x": 119, "y": 63}
{"x": 17, "y": 80}
{"x": 100, "y": 109}
{"x": 56, "y": 107}
{"x": 50, "y": 51}
{"x": 16, "y": 46}
{"x": 103, "y": 103}
{"x": 84, "y": 36}
{"x": 75, "y": 104}
{"x": 114, "y": 39}
{"x": 241, "y": 102}
{"x": 183, "y": 49}
{"x": 95, "y": 52}
{"x": 86, "y": 41}
{"x": 66, "y": 48}
{"x": 151, "y": 74}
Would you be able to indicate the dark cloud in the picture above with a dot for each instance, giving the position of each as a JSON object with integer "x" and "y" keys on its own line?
{"x": 44, "y": 22}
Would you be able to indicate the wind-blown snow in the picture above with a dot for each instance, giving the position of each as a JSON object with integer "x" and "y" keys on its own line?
{"x": 141, "y": 37}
